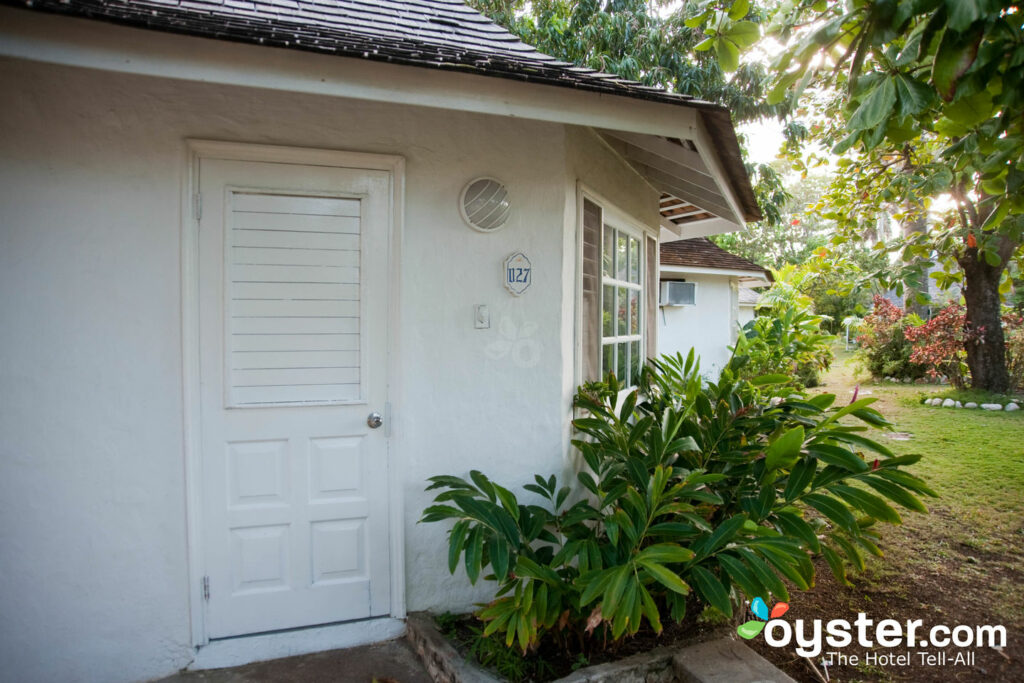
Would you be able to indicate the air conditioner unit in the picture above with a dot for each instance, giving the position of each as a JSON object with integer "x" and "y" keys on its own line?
{"x": 678, "y": 293}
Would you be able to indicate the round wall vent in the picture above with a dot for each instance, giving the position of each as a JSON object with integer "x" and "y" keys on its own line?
{"x": 484, "y": 204}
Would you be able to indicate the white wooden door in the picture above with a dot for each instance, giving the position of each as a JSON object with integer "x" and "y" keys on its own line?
{"x": 293, "y": 308}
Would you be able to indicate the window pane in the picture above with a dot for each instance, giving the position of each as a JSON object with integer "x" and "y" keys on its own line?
{"x": 622, "y": 303}
{"x": 634, "y": 359}
{"x": 634, "y": 311}
{"x": 608, "y": 246}
{"x": 620, "y": 256}
{"x": 607, "y": 359}
{"x": 634, "y": 260}
{"x": 608, "y": 312}
{"x": 623, "y": 362}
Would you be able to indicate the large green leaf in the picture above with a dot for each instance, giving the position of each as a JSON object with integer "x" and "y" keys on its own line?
{"x": 896, "y": 493}
{"x": 474, "y": 553}
{"x": 712, "y": 590}
{"x": 728, "y": 55}
{"x": 876, "y": 107}
{"x": 799, "y": 478}
{"x": 665, "y": 576}
{"x": 739, "y": 9}
{"x": 722, "y": 535}
{"x": 765, "y": 574}
{"x": 456, "y": 541}
{"x": 971, "y": 110}
{"x": 666, "y": 553}
{"x": 866, "y": 502}
{"x": 835, "y": 563}
{"x": 742, "y": 577}
{"x": 955, "y": 55}
{"x": 834, "y": 510}
{"x": 744, "y": 33}
{"x": 838, "y": 456}
{"x": 793, "y": 525}
{"x": 784, "y": 451}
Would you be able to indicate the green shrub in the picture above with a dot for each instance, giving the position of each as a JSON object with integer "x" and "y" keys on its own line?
{"x": 709, "y": 490}
{"x": 884, "y": 349}
{"x": 785, "y": 338}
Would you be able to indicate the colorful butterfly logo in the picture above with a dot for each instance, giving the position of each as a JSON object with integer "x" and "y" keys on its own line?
{"x": 751, "y": 628}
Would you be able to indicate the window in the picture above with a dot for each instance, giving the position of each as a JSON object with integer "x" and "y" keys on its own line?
{"x": 621, "y": 308}
{"x": 616, "y": 302}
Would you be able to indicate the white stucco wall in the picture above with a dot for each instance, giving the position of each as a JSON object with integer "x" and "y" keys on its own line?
{"x": 92, "y": 483}
{"x": 706, "y": 327}
{"x": 746, "y": 314}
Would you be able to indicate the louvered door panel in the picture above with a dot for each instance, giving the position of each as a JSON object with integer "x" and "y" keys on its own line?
{"x": 293, "y": 299}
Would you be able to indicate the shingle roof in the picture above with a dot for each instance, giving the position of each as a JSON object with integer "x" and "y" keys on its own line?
{"x": 748, "y": 296}
{"x": 436, "y": 33}
{"x": 700, "y": 252}
{"x": 443, "y": 34}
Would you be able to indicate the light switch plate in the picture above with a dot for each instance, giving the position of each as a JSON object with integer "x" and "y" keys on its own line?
{"x": 481, "y": 317}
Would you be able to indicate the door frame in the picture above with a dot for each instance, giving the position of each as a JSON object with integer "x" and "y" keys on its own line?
{"x": 194, "y": 151}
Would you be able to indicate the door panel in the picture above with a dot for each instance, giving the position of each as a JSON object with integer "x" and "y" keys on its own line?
{"x": 293, "y": 335}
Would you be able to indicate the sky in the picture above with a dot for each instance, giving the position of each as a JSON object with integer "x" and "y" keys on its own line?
{"x": 763, "y": 139}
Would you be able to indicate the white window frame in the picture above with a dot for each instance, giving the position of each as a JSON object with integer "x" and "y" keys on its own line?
{"x": 617, "y": 228}
{"x": 617, "y": 219}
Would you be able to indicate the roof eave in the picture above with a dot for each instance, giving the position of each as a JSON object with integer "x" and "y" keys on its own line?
{"x": 365, "y": 74}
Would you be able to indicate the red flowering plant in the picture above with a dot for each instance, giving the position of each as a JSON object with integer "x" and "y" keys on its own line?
{"x": 938, "y": 345}
{"x": 884, "y": 348}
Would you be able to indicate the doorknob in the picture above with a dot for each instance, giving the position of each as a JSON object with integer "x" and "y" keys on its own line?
{"x": 374, "y": 420}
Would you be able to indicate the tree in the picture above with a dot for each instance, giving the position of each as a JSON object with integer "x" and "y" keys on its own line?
{"x": 654, "y": 43}
{"x": 796, "y": 234}
{"x": 928, "y": 100}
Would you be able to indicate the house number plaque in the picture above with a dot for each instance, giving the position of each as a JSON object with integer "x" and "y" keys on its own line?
{"x": 518, "y": 273}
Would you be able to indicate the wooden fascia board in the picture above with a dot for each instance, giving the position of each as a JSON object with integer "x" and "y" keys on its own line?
{"x": 667, "y": 165}
{"x": 702, "y": 140}
{"x": 706, "y": 199}
{"x": 699, "y": 228}
{"x": 93, "y": 44}
{"x": 664, "y": 148}
{"x": 702, "y": 270}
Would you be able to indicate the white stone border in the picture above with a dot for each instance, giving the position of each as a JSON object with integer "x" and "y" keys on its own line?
{"x": 950, "y": 403}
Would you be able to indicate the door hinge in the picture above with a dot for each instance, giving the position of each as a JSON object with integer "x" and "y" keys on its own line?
{"x": 206, "y": 588}
{"x": 197, "y": 206}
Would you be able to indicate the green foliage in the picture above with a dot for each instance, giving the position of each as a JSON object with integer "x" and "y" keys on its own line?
{"x": 925, "y": 101}
{"x": 785, "y": 339}
{"x": 708, "y": 490}
{"x": 641, "y": 41}
{"x": 885, "y": 350}
{"x": 507, "y": 662}
{"x": 792, "y": 235}
{"x": 1014, "y": 325}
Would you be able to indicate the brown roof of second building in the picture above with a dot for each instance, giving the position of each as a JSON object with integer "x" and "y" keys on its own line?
{"x": 700, "y": 252}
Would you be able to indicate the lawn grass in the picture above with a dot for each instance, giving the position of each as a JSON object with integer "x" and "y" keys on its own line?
{"x": 974, "y": 459}
{"x": 963, "y": 562}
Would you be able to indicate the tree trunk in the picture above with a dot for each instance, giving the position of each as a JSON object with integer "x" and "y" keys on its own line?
{"x": 986, "y": 347}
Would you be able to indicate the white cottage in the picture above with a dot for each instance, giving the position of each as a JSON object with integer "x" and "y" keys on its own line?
{"x": 707, "y": 294}
{"x": 267, "y": 266}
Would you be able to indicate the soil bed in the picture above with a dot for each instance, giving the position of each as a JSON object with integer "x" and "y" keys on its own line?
{"x": 549, "y": 663}
{"x": 960, "y": 564}
{"x": 938, "y": 597}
